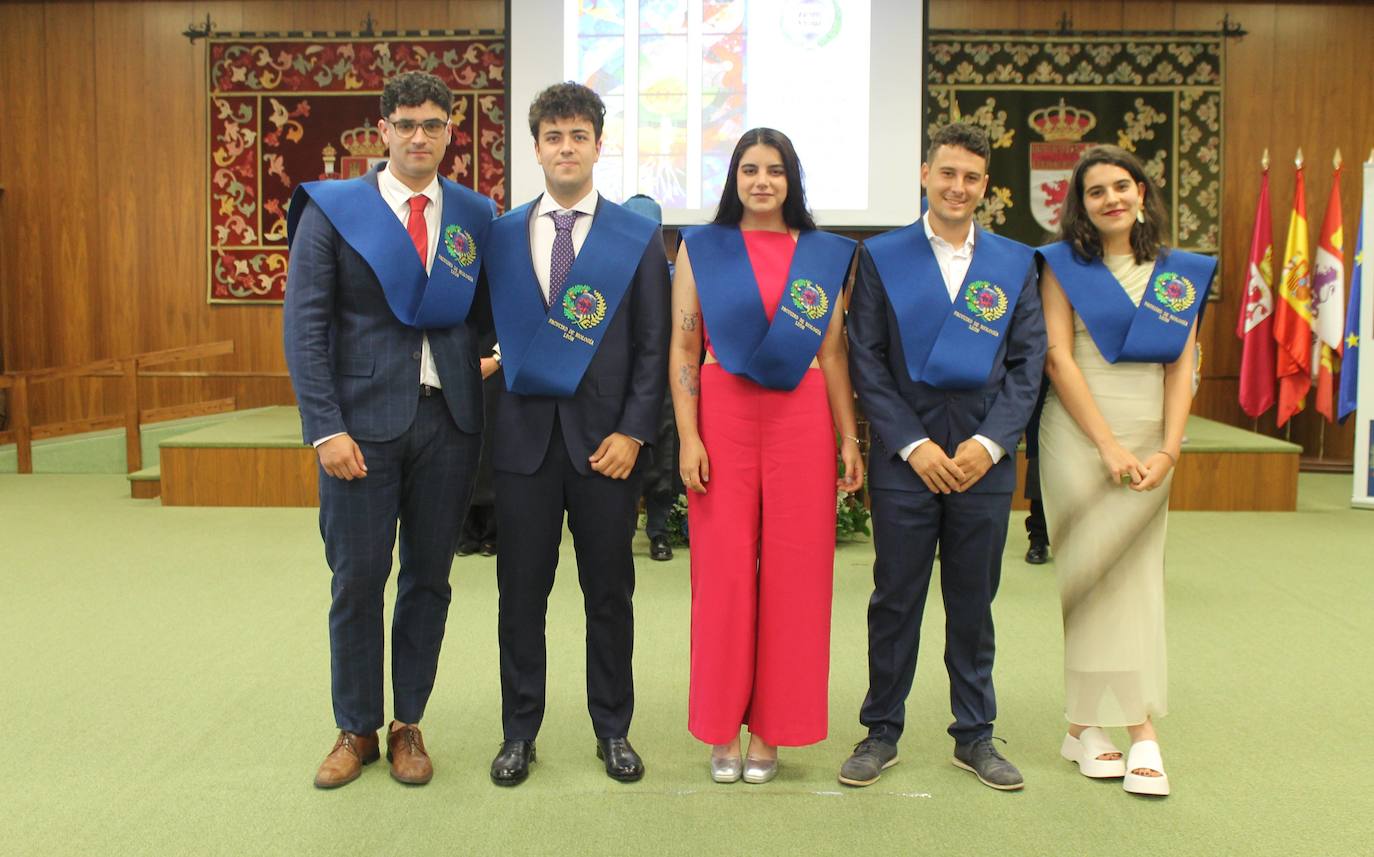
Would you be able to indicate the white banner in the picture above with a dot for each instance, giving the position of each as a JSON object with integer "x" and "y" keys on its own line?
{"x": 1362, "y": 494}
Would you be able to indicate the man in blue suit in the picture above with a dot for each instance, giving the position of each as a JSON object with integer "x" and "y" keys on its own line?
{"x": 947, "y": 343}
{"x": 579, "y": 293}
{"x": 381, "y": 299}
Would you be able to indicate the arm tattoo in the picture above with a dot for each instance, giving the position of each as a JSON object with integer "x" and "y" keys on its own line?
{"x": 689, "y": 321}
{"x": 687, "y": 380}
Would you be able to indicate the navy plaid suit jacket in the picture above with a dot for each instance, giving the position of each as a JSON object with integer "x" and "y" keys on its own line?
{"x": 355, "y": 368}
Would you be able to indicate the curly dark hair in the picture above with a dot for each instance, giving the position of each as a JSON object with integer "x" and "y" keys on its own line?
{"x": 413, "y": 88}
{"x": 1147, "y": 239}
{"x": 794, "y": 213}
{"x": 567, "y": 100}
{"x": 963, "y": 135}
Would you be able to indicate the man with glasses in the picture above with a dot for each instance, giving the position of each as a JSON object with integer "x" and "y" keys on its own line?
{"x": 381, "y": 308}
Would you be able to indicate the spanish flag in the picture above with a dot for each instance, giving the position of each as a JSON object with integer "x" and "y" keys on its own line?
{"x": 1293, "y": 310}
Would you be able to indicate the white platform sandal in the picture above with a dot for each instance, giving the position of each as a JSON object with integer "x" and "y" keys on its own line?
{"x": 1145, "y": 754}
{"x": 1085, "y": 750}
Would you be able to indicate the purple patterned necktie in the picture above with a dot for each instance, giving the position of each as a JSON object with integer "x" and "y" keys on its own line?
{"x": 561, "y": 260}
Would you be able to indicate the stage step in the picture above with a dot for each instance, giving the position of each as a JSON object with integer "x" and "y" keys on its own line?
{"x": 145, "y": 484}
{"x": 256, "y": 460}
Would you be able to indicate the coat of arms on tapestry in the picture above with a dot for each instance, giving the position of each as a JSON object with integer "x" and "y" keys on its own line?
{"x": 289, "y": 110}
{"x": 1044, "y": 100}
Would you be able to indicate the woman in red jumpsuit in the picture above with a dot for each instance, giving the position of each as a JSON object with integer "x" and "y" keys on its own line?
{"x": 761, "y": 290}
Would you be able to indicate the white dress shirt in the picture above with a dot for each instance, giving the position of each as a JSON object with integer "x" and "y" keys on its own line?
{"x": 954, "y": 263}
{"x": 397, "y": 197}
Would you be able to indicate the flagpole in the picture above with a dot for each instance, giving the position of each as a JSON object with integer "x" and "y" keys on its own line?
{"x": 1264, "y": 164}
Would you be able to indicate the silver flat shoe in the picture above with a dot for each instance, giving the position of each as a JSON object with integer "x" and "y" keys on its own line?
{"x": 726, "y": 769}
{"x": 760, "y": 770}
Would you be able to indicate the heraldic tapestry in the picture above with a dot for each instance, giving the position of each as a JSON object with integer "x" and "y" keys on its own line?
{"x": 290, "y": 110}
{"x": 1044, "y": 100}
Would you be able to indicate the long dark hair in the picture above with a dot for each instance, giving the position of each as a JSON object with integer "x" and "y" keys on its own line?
{"x": 1147, "y": 239}
{"x": 731, "y": 211}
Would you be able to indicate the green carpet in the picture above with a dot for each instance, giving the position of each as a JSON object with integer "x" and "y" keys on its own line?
{"x": 165, "y": 690}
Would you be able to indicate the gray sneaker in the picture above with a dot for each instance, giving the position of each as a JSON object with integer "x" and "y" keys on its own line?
{"x": 870, "y": 758}
{"x": 990, "y": 766}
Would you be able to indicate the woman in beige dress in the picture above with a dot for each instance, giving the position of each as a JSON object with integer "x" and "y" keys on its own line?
{"x": 1120, "y": 314}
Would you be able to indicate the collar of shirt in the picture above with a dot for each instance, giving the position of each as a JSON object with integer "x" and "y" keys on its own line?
{"x": 397, "y": 195}
{"x": 964, "y": 250}
{"x": 586, "y": 205}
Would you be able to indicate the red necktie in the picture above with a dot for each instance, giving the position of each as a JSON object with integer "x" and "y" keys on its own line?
{"x": 415, "y": 225}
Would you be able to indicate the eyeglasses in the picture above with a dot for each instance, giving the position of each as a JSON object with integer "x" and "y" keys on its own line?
{"x": 407, "y": 127}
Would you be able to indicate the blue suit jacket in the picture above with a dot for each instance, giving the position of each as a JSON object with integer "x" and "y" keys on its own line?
{"x": 902, "y": 411}
{"x": 622, "y": 390}
{"x": 355, "y": 368}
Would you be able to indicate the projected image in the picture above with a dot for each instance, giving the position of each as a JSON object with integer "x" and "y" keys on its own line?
{"x": 682, "y": 79}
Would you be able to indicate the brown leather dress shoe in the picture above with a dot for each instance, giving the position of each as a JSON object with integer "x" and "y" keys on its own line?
{"x": 345, "y": 762}
{"x": 405, "y": 749}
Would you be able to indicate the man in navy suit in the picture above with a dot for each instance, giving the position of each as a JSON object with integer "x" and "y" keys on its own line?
{"x": 579, "y": 293}
{"x": 380, "y": 299}
{"x": 947, "y": 343}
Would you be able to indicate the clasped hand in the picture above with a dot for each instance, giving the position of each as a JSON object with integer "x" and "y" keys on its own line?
{"x": 616, "y": 456}
{"x": 945, "y": 475}
{"x": 1124, "y": 467}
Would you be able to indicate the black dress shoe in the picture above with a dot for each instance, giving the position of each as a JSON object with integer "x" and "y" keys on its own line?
{"x": 659, "y": 549}
{"x": 512, "y": 763}
{"x": 465, "y": 548}
{"x": 622, "y": 762}
{"x": 1038, "y": 553}
{"x": 488, "y": 548}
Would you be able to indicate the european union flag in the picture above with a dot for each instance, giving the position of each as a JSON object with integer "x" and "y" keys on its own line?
{"x": 1350, "y": 360}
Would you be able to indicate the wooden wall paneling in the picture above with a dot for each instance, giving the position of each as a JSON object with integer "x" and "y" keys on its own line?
{"x": 425, "y": 15}
{"x": 131, "y": 131}
{"x": 266, "y": 17}
{"x": 69, "y": 175}
{"x": 171, "y": 212}
{"x": 1153, "y": 15}
{"x": 342, "y": 15}
{"x": 1090, "y": 15}
{"x": 477, "y": 14}
{"x": 952, "y": 15}
{"x": 22, "y": 65}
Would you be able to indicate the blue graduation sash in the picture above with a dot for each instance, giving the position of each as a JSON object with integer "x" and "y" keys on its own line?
{"x": 1156, "y": 330}
{"x": 774, "y": 355}
{"x": 357, "y": 210}
{"x": 546, "y": 352}
{"x": 950, "y": 345}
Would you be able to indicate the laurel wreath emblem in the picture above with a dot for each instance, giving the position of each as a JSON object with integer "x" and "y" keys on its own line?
{"x": 460, "y": 245}
{"x": 809, "y": 298}
{"x": 584, "y": 306}
{"x": 985, "y": 300}
{"x": 1174, "y": 291}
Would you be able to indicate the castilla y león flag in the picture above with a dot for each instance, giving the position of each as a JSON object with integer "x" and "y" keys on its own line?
{"x": 1328, "y": 301}
{"x": 1255, "y": 326}
{"x": 1293, "y": 313}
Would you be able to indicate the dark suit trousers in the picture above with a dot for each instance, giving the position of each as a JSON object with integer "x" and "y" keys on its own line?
{"x": 529, "y": 516}
{"x": 970, "y": 531}
{"x": 423, "y": 480}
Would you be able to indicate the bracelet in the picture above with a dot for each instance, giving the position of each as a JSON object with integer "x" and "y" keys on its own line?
{"x": 851, "y": 437}
{"x": 1171, "y": 457}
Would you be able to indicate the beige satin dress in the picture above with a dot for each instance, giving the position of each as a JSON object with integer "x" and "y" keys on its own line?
{"x": 1108, "y": 540}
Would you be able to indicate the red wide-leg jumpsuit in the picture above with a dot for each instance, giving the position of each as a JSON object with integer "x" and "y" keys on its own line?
{"x": 763, "y": 546}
